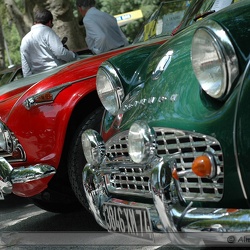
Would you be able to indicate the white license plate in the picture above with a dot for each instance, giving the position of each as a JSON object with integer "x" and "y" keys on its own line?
{"x": 126, "y": 219}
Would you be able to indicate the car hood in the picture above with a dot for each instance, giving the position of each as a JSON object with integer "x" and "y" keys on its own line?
{"x": 19, "y": 86}
{"x": 28, "y": 86}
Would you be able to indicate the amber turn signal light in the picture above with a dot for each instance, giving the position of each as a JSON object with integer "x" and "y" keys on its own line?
{"x": 175, "y": 174}
{"x": 45, "y": 97}
{"x": 202, "y": 166}
{"x": 232, "y": 210}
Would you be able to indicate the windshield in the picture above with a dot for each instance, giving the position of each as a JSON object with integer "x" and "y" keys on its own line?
{"x": 10, "y": 75}
{"x": 5, "y": 78}
{"x": 173, "y": 16}
{"x": 202, "y": 8}
{"x": 163, "y": 21}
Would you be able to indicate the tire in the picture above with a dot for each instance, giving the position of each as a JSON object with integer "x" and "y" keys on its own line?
{"x": 58, "y": 197}
{"x": 76, "y": 159}
{"x": 54, "y": 207}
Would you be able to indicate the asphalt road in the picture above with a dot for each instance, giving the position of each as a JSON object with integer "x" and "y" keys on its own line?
{"x": 25, "y": 226}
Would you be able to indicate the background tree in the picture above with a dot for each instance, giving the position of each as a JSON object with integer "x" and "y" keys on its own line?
{"x": 17, "y": 18}
{"x": 122, "y": 6}
{"x": 2, "y": 54}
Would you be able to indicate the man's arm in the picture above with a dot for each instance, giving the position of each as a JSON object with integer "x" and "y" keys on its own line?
{"x": 59, "y": 50}
{"x": 25, "y": 66}
{"x": 95, "y": 38}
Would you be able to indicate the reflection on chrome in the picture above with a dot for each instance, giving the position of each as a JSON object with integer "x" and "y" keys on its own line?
{"x": 10, "y": 175}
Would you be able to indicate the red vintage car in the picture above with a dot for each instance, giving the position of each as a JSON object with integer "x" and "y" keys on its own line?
{"x": 43, "y": 116}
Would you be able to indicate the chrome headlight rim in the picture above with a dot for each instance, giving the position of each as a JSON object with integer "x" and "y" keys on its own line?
{"x": 93, "y": 147}
{"x": 6, "y": 141}
{"x": 225, "y": 52}
{"x": 141, "y": 142}
{"x": 109, "y": 88}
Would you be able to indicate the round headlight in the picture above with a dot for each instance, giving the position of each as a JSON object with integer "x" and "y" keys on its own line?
{"x": 109, "y": 88}
{"x": 214, "y": 60}
{"x": 141, "y": 142}
{"x": 93, "y": 147}
{"x": 209, "y": 63}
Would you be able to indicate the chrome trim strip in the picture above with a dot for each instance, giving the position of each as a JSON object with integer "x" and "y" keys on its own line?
{"x": 30, "y": 102}
{"x": 234, "y": 134}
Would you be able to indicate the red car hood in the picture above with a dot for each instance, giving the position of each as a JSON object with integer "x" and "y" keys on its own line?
{"x": 84, "y": 68}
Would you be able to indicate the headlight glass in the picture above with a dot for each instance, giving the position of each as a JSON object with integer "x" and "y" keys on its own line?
{"x": 214, "y": 60}
{"x": 109, "y": 88}
{"x": 93, "y": 147}
{"x": 141, "y": 142}
{"x": 209, "y": 64}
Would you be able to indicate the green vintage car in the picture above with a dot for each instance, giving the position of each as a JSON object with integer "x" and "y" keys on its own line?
{"x": 172, "y": 155}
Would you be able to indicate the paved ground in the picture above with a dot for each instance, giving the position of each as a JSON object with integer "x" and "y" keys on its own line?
{"x": 24, "y": 226}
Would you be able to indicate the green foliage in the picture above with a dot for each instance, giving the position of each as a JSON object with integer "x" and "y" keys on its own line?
{"x": 113, "y": 7}
{"x": 13, "y": 43}
{"x": 11, "y": 36}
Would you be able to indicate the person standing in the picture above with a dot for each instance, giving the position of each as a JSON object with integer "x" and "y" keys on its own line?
{"x": 102, "y": 30}
{"x": 41, "y": 49}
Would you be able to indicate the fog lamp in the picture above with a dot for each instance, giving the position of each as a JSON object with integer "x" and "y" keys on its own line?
{"x": 93, "y": 147}
{"x": 141, "y": 142}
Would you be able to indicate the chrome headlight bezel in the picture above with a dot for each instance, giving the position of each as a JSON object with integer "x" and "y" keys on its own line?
{"x": 141, "y": 142}
{"x": 109, "y": 88}
{"x": 93, "y": 147}
{"x": 214, "y": 60}
{"x": 6, "y": 141}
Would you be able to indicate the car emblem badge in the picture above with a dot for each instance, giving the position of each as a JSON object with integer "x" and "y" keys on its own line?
{"x": 162, "y": 65}
{"x": 149, "y": 101}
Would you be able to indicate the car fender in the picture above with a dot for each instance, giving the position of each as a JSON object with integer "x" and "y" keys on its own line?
{"x": 43, "y": 128}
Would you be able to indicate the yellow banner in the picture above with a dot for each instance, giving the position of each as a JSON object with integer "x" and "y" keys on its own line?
{"x": 127, "y": 17}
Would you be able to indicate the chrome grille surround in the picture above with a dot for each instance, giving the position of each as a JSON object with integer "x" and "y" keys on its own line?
{"x": 9, "y": 156}
{"x": 14, "y": 151}
{"x": 132, "y": 179}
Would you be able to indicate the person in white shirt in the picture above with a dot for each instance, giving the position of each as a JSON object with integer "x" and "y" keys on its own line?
{"x": 102, "y": 30}
{"x": 41, "y": 49}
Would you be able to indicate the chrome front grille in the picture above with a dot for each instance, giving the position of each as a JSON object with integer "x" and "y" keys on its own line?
{"x": 184, "y": 146}
{"x": 10, "y": 148}
{"x": 17, "y": 156}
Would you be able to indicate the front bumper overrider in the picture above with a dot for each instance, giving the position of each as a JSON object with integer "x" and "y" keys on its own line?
{"x": 10, "y": 176}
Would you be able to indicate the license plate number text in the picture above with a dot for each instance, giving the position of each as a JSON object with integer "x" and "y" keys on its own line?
{"x": 121, "y": 218}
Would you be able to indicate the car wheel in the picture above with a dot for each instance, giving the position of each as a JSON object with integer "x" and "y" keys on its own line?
{"x": 58, "y": 197}
{"x": 57, "y": 207}
{"x": 76, "y": 161}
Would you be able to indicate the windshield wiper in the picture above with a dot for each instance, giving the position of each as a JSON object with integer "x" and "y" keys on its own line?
{"x": 204, "y": 15}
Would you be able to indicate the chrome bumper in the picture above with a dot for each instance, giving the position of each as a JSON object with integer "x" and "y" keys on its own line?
{"x": 167, "y": 216}
{"x": 10, "y": 175}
